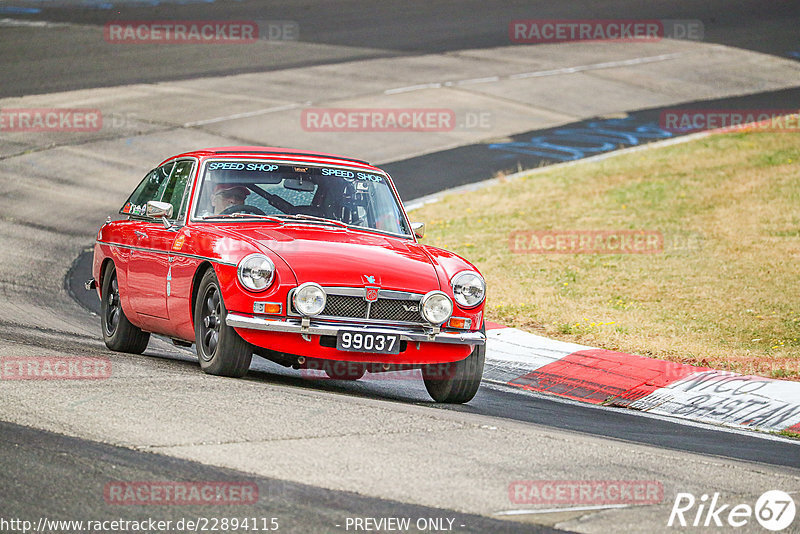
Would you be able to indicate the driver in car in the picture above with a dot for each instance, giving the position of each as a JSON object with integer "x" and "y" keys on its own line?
{"x": 226, "y": 195}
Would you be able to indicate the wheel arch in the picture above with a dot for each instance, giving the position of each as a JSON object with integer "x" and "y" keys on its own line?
{"x": 198, "y": 275}
{"x": 101, "y": 276}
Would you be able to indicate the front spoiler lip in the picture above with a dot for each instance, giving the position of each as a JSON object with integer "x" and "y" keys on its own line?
{"x": 324, "y": 328}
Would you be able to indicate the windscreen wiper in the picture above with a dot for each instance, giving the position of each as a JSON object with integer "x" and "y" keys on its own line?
{"x": 313, "y": 218}
{"x": 239, "y": 214}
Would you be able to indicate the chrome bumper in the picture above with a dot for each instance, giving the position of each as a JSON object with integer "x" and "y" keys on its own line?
{"x": 320, "y": 328}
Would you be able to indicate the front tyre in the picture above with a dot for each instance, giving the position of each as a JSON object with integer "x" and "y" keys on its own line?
{"x": 220, "y": 349}
{"x": 119, "y": 333}
{"x": 455, "y": 382}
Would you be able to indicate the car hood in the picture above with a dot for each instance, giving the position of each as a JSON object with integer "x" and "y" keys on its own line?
{"x": 332, "y": 256}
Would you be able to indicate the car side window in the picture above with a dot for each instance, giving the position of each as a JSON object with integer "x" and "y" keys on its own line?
{"x": 149, "y": 188}
{"x": 175, "y": 189}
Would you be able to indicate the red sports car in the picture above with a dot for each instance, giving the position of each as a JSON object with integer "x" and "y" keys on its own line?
{"x": 305, "y": 259}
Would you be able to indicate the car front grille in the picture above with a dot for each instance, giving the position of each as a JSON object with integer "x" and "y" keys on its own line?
{"x": 396, "y": 310}
{"x": 343, "y": 306}
{"x": 349, "y": 306}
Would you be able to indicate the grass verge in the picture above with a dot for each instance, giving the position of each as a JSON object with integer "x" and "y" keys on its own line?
{"x": 789, "y": 434}
{"x": 723, "y": 291}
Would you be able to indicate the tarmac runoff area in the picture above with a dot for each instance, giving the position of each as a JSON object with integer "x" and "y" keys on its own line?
{"x": 150, "y": 402}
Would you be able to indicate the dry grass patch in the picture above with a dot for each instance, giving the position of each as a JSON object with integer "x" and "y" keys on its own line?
{"x": 725, "y": 291}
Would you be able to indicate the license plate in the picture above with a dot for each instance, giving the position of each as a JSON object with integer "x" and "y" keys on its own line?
{"x": 353, "y": 341}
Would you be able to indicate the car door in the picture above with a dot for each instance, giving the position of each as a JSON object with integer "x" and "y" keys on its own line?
{"x": 149, "y": 267}
{"x": 131, "y": 232}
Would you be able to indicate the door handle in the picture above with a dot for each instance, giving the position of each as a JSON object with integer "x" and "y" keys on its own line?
{"x": 140, "y": 234}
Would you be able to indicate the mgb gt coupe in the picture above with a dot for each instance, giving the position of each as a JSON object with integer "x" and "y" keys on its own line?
{"x": 306, "y": 259}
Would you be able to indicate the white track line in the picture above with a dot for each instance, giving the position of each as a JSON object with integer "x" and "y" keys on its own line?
{"x": 439, "y": 85}
{"x": 245, "y": 115}
{"x": 473, "y": 81}
{"x": 537, "y": 74}
{"x": 557, "y": 510}
{"x": 412, "y": 88}
{"x": 16, "y": 23}
{"x": 596, "y": 66}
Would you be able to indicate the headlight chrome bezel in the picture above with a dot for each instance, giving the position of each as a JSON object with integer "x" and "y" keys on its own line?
{"x": 426, "y": 299}
{"x": 244, "y": 270}
{"x": 457, "y": 282}
{"x": 302, "y": 288}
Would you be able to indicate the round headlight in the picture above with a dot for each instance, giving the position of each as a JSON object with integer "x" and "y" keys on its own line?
{"x": 309, "y": 299}
{"x": 469, "y": 289}
{"x": 256, "y": 272}
{"x": 436, "y": 307}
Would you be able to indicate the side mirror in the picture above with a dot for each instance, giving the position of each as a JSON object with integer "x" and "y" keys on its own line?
{"x": 419, "y": 229}
{"x": 158, "y": 210}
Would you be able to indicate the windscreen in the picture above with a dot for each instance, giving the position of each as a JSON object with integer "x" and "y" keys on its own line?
{"x": 350, "y": 196}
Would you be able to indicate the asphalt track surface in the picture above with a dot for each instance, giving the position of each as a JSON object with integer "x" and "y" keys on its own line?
{"x": 39, "y": 476}
{"x": 59, "y": 485}
{"x": 58, "y": 58}
{"x": 430, "y": 173}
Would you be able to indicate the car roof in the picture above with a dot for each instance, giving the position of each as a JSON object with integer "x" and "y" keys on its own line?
{"x": 273, "y": 152}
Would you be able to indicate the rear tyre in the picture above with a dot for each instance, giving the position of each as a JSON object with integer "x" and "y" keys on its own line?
{"x": 455, "y": 382}
{"x": 220, "y": 349}
{"x": 119, "y": 333}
